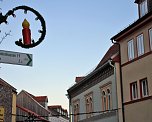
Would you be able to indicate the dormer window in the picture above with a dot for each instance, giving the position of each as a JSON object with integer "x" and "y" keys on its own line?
{"x": 143, "y": 8}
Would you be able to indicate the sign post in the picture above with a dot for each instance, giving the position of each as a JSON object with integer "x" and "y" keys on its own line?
{"x": 17, "y": 58}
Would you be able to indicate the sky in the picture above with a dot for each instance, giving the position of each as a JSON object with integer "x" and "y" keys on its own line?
{"x": 78, "y": 35}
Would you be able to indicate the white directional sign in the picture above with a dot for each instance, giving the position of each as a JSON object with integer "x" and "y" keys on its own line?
{"x": 17, "y": 58}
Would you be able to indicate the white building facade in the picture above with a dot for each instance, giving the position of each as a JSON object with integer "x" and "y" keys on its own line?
{"x": 94, "y": 97}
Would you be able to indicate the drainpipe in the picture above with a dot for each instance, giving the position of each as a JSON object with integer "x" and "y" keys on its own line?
{"x": 113, "y": 65}
{"x": 121, "y": 84}
{"x": 70, "y": 118}
{"x": 68, "y": 96}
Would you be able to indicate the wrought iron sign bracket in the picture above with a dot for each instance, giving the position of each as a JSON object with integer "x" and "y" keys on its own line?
{"x": 3, "y": 19}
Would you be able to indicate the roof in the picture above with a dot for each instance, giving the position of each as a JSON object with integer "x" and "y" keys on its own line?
{"x": 133, "y": 27}
{"x": 112, "y": 50}
{"x": 33, "y": 98}
{"x": 41, "y": 98}
{"x": 55, "y": 112}
{"x": 32, "y": 113}
{"x": 54, "y": 106}
{"x": 38, "y": 98}
{"x": 77, "y": 79}
{"x": 57, "y": 106}
{"x": 2, "y": 82}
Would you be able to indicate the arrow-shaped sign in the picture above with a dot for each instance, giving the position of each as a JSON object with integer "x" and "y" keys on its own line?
{"x": 17, "y": 58}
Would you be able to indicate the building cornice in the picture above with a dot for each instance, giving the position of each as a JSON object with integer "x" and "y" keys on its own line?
{"x": 136, "y": 59}
{"x": 91, "y": 81}
{"x": 134, "y": 26}
{"x": 138, "y": 100}
{"x": 87, "y": 77}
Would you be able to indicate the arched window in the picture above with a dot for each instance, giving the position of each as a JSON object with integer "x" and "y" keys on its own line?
{"x": 76, "y": 110}
{"x": 87, "y": 105}
{"x": 103, "y": 100}
{"x": 108, "y": 99}
{"x": 91, "y": 105}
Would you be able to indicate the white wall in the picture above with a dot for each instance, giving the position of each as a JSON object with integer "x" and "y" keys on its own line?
{"x": 97, "y": 97}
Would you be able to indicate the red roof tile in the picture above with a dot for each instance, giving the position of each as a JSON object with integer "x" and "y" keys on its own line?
{"x": 38, "y": 98}
{"x": 112, "y": 50}
{"x": 55, "y": 106}
{"x": 65, "y": 110}
{"x": 78, "y": 79}
{"x": 41, "y": 98}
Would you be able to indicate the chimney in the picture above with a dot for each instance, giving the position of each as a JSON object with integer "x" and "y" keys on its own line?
{"x": 78, "y": 79}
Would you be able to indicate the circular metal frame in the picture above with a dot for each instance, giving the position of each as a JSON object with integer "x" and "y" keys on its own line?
{"x": 3, "y": 19}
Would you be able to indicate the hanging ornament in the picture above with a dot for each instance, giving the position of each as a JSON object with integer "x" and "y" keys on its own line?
{"x": 26, "y": 32}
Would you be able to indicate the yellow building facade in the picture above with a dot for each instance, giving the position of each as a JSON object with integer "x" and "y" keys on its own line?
{"x": 136, "y": 70}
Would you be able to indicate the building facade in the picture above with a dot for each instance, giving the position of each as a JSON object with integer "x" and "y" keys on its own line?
{"x": 7, "y": 102}
{"x": 58, "y": 114}
{"x": 94, "y": 98}
{"x": 29, "y": 108}
{"x": 136, "y": 57}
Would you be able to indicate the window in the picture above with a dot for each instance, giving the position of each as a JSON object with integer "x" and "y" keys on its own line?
{"x": 106, "y": 97}
{"x": 144, "y": 87}
{"x": 134, "y": 91}
{"x": 143, "y": 8}
{"x": 140, "y": 44}
{"x": 103, "y": 101}
{"x": 89, "y": 104}
{"x": 130, "y": 50}
{"x": 150, "y": 37}
{"x": 76, "y": 110}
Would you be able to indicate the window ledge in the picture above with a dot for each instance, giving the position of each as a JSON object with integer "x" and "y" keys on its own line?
{"x": 138, "y": 100}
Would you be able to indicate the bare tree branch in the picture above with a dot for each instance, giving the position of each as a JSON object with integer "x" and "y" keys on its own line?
{"x": 4, "y": 37}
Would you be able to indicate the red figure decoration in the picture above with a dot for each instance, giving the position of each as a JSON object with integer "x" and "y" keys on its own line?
{"x": 26, "y": 32}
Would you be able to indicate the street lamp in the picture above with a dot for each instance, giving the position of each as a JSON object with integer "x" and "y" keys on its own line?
{"x": 26, "y": 43}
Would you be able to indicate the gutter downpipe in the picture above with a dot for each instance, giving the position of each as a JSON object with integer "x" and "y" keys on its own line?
{"x": 68, "y": 96}
{"x": 121, "y": 84}
{"x": 70, "y": 118}
{"x": 113, "y": 65}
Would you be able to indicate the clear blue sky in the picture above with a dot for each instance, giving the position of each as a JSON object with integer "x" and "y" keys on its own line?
{"x": 78, "y": 35}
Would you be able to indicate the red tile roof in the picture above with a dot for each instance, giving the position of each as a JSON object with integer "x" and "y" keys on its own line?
{"x": 112, "y": 50}
{"x": 41, "y": 98}
{"x": 38, "y": 98}
{"x": 77, "y": 79}
{"x": 55, "y": 106}
{"x": 65, "y": 110}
